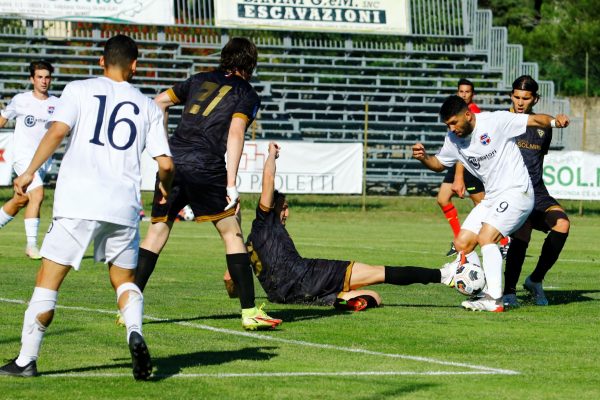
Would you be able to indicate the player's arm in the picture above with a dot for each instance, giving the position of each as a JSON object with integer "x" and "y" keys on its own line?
{"x": 427, "y": 160}
{"x": 165, "y": 100}
{"x": 3, "y": 121}
{"x": 235, "y": 146}
{"x": 48, "y": 145}
{"x": 548, "y": 121}
{"x": 458, "y": 185}
{"x": 268, "y": 177}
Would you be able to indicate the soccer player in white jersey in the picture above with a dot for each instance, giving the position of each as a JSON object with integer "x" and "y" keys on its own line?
{"x": 97, "y": 195}
{"x": 32, "y": 110}
{"x": 485, "y": 144}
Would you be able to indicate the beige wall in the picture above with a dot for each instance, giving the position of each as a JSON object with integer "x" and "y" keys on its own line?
{"x": 592, "y": 124}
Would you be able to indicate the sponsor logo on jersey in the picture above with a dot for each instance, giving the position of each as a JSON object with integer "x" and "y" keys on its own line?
{"x": 485, "y": 139}
{"x": 541, "y": 133}
{"x": 51, "y": 110}
{"x": 29, "y": 121}
{"x": 476, "y": 161}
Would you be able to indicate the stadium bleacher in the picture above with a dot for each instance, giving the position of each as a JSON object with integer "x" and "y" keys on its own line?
{"x": 313, "y": 87}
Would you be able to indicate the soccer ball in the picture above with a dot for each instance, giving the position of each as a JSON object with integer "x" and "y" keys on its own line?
{"x": 186, "y": 214}
{"x": 469, "y": 279}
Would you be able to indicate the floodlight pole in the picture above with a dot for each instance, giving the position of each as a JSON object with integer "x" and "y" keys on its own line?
{"x": 364, "y": 194}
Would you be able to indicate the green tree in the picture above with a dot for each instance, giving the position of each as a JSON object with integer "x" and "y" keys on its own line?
{"x": 556, "y": 34}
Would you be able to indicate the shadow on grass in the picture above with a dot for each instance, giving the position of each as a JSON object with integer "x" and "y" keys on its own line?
{"x": 166, "y": 367}
{"x": 310, "y": 312}
{"x": 559, "y": 297}
{"x": 398, "y": 390}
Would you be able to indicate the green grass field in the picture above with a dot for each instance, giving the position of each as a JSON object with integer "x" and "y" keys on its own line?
{"x": 420, "y": 345}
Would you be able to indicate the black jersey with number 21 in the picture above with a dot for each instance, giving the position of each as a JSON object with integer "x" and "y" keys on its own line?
{"x": 211, "y": 100}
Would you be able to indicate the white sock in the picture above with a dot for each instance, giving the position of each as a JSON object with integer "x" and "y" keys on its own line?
{"x": 4, "y": 217}
{"x": 31, "y": 230}
{"x": 492, "y": 267}
{"x": 472, "y": 257}
{"x": 42, "y": 300}
{"x": 133, "y": 310}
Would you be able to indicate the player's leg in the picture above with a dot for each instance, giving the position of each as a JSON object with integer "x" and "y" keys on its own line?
{"x": 162, "y": 217}
{"x": 444, "y": 200}
{"x": 365, "y": 275}
{"x": 551, "y": 249}
{"x": 240, "y": 270}
{"x": 515, "y": 258}
{"x": 32, "y": 220}
{"x": 37, "y": 318}
{"x": 11, "y": 208}
{"x": 118, "y": 246}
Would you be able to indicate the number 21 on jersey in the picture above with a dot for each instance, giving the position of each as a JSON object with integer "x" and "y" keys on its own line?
{"x": 206, "y": 90}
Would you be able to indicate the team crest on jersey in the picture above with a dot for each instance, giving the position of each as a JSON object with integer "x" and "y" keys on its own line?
{"x": 29, "y": 121}
{"x": 541, "y": 133}
{"x": 485, "y": 139}
{"x": 51, "y": 110}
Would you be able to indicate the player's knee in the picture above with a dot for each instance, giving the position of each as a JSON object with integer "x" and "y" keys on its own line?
{"x": 562, "y": 225}
{"x": 133, "y": 293}
{"x": 40, "y": 311}
{"x": 20, "y": 201}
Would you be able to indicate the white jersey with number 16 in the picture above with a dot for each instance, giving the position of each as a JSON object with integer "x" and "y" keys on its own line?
{"x": 111, "y": 124}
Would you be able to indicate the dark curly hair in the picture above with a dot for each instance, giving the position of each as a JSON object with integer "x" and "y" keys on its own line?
{"x": 41, "y": 64}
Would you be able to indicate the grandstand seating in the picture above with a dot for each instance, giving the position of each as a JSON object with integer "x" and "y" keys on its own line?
{"x": 312, "y": 88}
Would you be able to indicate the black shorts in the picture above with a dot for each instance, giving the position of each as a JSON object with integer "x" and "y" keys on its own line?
{"x": 543, "y": 203}
{"x": 320, "y": 284}
{"x": 472, "y": 184}
{"x": 204, "y": 192}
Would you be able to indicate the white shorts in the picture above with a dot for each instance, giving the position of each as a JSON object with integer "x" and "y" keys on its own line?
{"x": 68, "y": 239}
{"x": 38, "y": 178}
{"x": 506, "y": 212}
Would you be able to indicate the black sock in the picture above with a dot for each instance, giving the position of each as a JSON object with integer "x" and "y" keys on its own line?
{"x": 242, "y": 276}
{"x": 514, "y": 264}
{"x": 145, "y": 266}
{"x": 410, "y": 275}
{"x": 551, "y": 249}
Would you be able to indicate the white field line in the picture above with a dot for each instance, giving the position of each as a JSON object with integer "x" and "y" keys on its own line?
{"x": 264, "y": 337}
{"x": 271, "y": 374}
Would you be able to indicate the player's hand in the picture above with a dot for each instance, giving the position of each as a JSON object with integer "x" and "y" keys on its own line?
{"x": 562, "y": 121}
{"x": 233, "y": 197}
{"x": 419, "y": 152}
{"x": 164, "y": 193}
{"x": 458, "y": 187}
{"x": 274, "y": 149}
{"x": 22, "y": 182}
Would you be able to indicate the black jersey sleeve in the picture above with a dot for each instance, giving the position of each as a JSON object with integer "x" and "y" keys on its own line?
{"x": 247, "y": 107}
{"x": 181, "y": 90}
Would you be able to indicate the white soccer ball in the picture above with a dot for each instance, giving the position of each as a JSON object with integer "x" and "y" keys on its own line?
{"x": 187, "y": 213}
{"x": 469, "y": 279}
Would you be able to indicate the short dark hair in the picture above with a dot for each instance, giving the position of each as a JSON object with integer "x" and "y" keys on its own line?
{"x": 526, "y": 82}
{"x": 239, "y": 54}
{"x": 40, "y": 64}
{"x": 278, "y": 198}
{"x": 452, "y": 106}
{"x": 120, "y": 51}
{"x": 467, "y": 82}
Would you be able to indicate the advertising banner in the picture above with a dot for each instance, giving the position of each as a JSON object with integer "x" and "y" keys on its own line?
{"x": 354, "y": 16}
{"x": 302, "y": 167}
{"x": 572, "y": 175}
{"x": 151, "y": 12}
{"x": 5, "y": 158}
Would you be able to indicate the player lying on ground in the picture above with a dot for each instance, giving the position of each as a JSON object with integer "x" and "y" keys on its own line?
{"x": 287, "y": 277}
{"x": 97, "y": 196}
{"x": 485, "y": 144}
{"x": 547, "y": 215}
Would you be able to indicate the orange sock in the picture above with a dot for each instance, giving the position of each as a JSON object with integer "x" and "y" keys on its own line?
{"x": 452, "y": 217}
